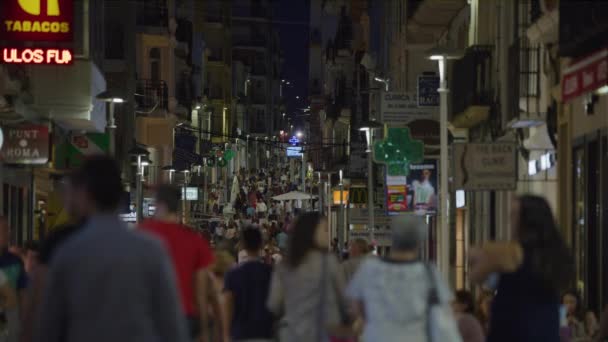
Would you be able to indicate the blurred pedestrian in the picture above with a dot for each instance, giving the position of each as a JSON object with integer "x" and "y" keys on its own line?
{"x": 396, "y": 295}
{"x": 282, "y": 240}
{"x": 464, "y": 310}
{"x": 357, "y": 251}
{"x": 107, "y": 283}
{"x": 12, "y": 266}
{"x": 307, "y": 288}
{"x": 574, "y": 316}
{"x": 31, "y": 257}
{"x": 245, "y": 294}
{"x": 37, "y": 279}
{"x": 224, "y": 262}
{"x": 191, "y": 256}
{"x": 533, "y": 268}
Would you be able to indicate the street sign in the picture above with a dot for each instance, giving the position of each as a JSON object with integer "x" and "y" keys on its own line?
{"x": 428, "y": 96}
{"x": 400, "y": 108}
{"x": 26, "y": 144}
{"x": 485, "y": 166}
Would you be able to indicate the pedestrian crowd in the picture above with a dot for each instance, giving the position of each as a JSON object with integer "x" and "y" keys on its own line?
{"x": 273, "y": 275}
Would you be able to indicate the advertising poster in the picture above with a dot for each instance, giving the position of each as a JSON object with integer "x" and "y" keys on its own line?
{"x": 415, "y": 193}
{"x": 396, "y": 194}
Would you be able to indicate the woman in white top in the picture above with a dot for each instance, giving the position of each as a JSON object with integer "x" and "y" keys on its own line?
{"x": 392, "y": 295}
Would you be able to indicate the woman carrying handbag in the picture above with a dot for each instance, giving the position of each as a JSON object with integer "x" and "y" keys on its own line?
{"x": 306, "y": 289}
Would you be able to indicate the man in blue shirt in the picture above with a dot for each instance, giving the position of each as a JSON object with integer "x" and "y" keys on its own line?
{"x": 246, "y": 291}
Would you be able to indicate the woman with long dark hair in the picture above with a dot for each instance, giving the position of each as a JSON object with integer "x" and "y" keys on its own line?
{"x": 306, "y": 289}
{"x": 534, "y": 268}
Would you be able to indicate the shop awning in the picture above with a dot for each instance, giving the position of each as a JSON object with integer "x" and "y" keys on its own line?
{"x": 585, "y": 75}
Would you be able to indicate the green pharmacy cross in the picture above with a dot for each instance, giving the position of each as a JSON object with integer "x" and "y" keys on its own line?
{"x": 398, "y": 151}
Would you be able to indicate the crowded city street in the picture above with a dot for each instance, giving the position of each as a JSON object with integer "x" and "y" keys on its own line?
{"x": 303, "y": 171}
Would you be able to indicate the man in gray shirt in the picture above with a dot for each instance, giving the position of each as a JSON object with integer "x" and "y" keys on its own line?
{"x": 107, "y": 283}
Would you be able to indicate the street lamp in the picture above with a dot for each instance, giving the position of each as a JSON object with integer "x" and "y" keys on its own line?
{"x": 171, "y": 170}
{"x": 442, "y": 54}
{"x": 186, "y": 173}
{"x": 142, "y": 160}
{"x": 369, "y": 127}
{"x": 111, "y": 97}
{"x": 341, "y": 220}
{"x": 386, "y": 81}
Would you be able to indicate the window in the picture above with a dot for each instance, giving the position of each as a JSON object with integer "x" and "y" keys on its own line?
{"x": 155, "y": 64}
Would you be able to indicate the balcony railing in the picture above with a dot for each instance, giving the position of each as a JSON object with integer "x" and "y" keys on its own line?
{"x": 473, "y": 75}
{"x": 524, "y": 80}
{"x": 151, "y": 94}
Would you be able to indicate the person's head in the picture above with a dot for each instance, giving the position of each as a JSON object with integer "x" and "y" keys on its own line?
{"x": 309, "y": 232}
{"x": 223, "y": 263}
{"x": 5, "y": 233}
{"x": 252, "y": 240}
{"x": 98, "y": 185}
{"x": 464, "y": 302}
{"x": 426, "y": 174}
{"x": 535, "y": 228}
{"x": 168, "y": 198}
{"x": 408, "y": 233}
{"x": 358, "y": 247}
{"x": 572, "y": 301}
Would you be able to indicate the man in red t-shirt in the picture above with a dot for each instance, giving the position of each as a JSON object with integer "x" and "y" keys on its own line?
{"x": 191, "y": 256}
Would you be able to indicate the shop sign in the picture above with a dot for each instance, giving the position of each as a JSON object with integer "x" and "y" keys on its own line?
{"x": 36, "y": 20}
{"x": 491, "y": 166}
{"x": 336, "y": 197}
{"x": 26, "y": 144}
{"x": 399, "y": 108}
{"x": 585, "y": 76}
{"x": 37, "y": 56}
{"x": 428, "y": 94}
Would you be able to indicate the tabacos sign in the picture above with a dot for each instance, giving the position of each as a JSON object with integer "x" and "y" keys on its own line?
{"x": 36, "y": 20}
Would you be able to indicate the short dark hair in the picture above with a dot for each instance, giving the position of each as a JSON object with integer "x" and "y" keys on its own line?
{"x": 100, "y": 177}
{"x": 252, "y": 239}
{"x": 170, "y": 196}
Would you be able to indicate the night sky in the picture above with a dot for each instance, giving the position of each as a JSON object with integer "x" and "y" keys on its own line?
{"x": 292, "y": 22}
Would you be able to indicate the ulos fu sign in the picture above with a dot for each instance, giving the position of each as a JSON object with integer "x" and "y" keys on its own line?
{"x": 36, "y": 20}
{"x": 25, "y": 144}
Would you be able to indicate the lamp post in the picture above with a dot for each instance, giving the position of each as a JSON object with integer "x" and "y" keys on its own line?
{"x": 320, "y": 193}
{"x": 329, "y": 203}
{"x": 442, "y": 55}
{"x": 205, "y": 185}
{"x": 247, "y": 155}
{"x": 141, "y": 155}
{"x": 369, "y": 127}
{"x": 185, "y": 195}
{"x": 341, "y": 213}
{"x": 111, "y": 97}
{"x": 171, "y": 170}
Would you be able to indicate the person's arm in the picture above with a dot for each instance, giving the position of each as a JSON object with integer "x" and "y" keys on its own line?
{"x": 166, "y": 311}
{"x": 229, "y": 311}
{"x": 501, "y": 257}
{"x": 37, "y": 283}
{"x": 275, "y": 295}
{"x": 203, "y": 288}
{"x": 52, "y": 317}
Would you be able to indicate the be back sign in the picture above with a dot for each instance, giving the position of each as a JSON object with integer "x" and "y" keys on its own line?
{"x": 36, "y": 20}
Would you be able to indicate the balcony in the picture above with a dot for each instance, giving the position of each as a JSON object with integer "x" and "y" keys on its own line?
{"x": 524, "y": 84}
{"x": 151, "y": 94}
{"x": 472, "y": 97}
{"x": 152, "y": 13}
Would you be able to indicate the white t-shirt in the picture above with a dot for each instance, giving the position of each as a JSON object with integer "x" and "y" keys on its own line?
{"x": 261, "y": 207}
{"x": 395, "y": 297}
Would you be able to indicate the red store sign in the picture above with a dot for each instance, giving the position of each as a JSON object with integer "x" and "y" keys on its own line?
{"x": 36, "y": 56}
{"x": 36, "y": 20}
{"x": 585, "y": 75}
